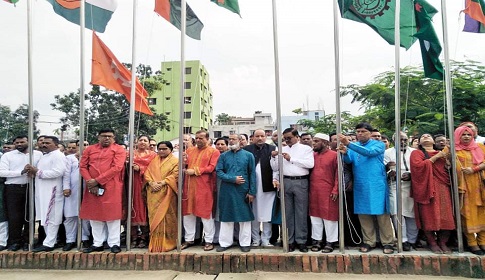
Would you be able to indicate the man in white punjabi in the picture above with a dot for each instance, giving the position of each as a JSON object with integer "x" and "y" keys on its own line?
{"x": 237, "y": 172}
{"x": 297, "y": 162}
{"x": 49, "y": 197}
{"x": 266, "y": 193}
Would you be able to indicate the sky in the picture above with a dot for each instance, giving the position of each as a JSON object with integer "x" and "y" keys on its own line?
{"x": 238, "y": 53}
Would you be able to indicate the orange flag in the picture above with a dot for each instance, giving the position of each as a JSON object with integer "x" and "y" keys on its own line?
{"x": 108, "y": 72}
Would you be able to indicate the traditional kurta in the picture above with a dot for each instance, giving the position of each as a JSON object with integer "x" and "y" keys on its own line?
{"x": 371, "y": 195}
{"x": 71, "y": 182}
{"x": 49, "y": 198}
{"x": 232, "y": 197}
{"x": 323, "y": 183}
{"x": 162, "y": 205}
{"x": 106, "y": 166}
{"x": 431, "y": 193}
{"x": 139, "y": 206}
{"x": 472, "y": 193}
{"x": 199, "y": 189}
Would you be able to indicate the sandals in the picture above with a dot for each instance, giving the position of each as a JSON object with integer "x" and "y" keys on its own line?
{"x": 435, "y": 249}
{"x": 208, "y": 247}
{"x": 328, "y": 248}
{"x": 387, "y": 249}
{"x": 366, "y": 248}
{"x": 186, "y": 245}
{"x": 316, "y": 246}
{"x": 142, "y": 244}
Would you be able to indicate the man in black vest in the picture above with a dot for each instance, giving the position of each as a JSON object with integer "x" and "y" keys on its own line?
{"x": 266, "y": 193}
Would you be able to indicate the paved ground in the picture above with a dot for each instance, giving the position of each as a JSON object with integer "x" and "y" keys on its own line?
{"x": 173, "y": 275}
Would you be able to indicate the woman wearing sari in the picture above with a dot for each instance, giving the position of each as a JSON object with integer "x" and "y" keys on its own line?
{"x": 430, "y": 185}
{"x": 470, "y": 163}
{"x": 161, "y": 177}
{"x": 142, "y": 157}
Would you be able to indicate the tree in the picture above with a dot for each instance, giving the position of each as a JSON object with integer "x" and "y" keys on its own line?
{"x": 297, "y": 111}
{"x": 108, "y": 109}
{"x": 328, "y": 123}
{"x": 16, "y": 123}
{"x": 223, "y": 119}
{"x": 422, "y": 100}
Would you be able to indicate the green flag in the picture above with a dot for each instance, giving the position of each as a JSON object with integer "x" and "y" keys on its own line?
{"x": 429, "y": 42}
{"x": 231, "y": 5}
{"x": 11, "y": 1}
{"x": 380, "y": 16}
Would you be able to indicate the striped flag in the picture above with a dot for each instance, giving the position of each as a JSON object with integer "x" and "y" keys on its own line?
{"x": 171, "y": 11}
{"x": 97, "y": 12}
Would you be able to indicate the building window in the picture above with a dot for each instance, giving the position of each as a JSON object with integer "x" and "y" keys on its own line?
{"x": 152, "y": 101}
{"x": 167, "y": 113}
{"x": 187, "y": 115}
{"x": 217, "y": 134}
{"x": 167, "y": 98}
{"x": 317, "y": 116}
{"x": 167, "y": 83}
{"x": 187, "y": 130}
{"x": 188, "y": 85}
{"x": 188, "y": 70}
{"x": 187, "y": 100}
{"x": 169, "y": 69}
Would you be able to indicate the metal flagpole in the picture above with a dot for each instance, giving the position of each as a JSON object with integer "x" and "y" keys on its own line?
{"x": 131, "y": 129}
{"x": 31, "y": 122}
{"x": 341, "y": 186}
{"x": 397, "y": 120}
{"x": 82, "y": 24}
{"x": 449, "y": 107}
{"x": 284, "y": 230}
{"x": 183, "y": 25}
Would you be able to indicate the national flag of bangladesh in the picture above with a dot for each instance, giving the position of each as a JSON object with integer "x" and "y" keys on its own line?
{"x": 11, "y": 1}
{"x": 474, "y": 16}
{"x": 231, "y": 5}
{"x": 428, "y": 40}
{"x": 380, "y": 16}
{"x": 171, "y": 11}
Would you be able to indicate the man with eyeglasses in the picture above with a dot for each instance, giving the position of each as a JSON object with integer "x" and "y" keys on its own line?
{"x": 102, "y": 167}
{"x": 409, "y": 228}
{"x": 297, "y": 162}
{"x": 153, "y": 145}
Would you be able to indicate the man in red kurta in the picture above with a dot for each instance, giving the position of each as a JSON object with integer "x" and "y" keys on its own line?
{"x": 102, "y": 167}
{"x": 199, "y": 188}
{"x": 323, "y": 194}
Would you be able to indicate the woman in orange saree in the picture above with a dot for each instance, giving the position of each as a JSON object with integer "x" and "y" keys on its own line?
{"x": 161, "y": 177}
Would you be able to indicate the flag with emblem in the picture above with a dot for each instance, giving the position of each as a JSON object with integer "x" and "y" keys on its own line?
{"x": 474, "y": 16}
{"x": 231, "y": 5}
{"x": 11, "y": 1}
{"x": 97, "y": 12}
{"x": 428, "y": 40}
{"x": 171, "y": 11}
{"x": 107, "y": 71}
{"x": 380, "y": 16}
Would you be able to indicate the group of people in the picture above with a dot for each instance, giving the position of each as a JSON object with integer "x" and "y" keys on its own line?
{"x": 232, "y": 188}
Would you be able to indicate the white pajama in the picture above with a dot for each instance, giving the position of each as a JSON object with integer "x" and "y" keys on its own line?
{"x": 331, "y": 229}
{"x": 101, "y": 228}
{"x": 190, "y": 225}
{"x": 227, "y": 230}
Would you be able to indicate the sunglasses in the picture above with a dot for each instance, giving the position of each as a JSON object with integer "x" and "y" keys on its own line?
{"x": 152, "y": 145}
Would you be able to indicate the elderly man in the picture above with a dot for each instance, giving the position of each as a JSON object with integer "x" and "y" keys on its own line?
{"x": 409, "y": 228}
{"x": 236, "y": 170}
{"x": 13, "y": 168}
{"x": 199, "y": 188}
{"x": 266, "y": 193}
{"x": 102, "y": 168}
{"x": 323, "y": 194}
{"x": 297, "y": 162}
{"x": 49, "y": 197}
{"x": 370, "y": 187}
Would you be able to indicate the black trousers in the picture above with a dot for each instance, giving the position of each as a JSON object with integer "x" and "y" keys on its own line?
{"x": 16, "y": 200}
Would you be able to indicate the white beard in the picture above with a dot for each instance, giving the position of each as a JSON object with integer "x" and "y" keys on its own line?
{"x": 234, "y": 147}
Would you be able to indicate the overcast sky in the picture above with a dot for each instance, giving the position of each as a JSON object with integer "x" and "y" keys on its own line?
{"x": 237, "y": 52}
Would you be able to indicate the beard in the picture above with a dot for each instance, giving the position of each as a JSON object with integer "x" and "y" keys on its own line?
{"x": 234, "y": 147}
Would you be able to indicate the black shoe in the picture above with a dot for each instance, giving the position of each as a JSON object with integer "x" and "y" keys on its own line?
{"x": 2, "y": 247}
{"x": 406, "y": 246}
{"x": 14, "y": 247}
{"x": 222, "y": 249}
{"x": 291, "y": 247}
{"x": 25, "y": 247}
{"x": 93, "y": 249}
{"x": 86, "y": 244}
{"x": 115, "y": 249}
{"x": 69, "y": 246}
{"x": 245, "y": 249}
{"x": 43, "y": 249}
{"x": 302, "y": 248}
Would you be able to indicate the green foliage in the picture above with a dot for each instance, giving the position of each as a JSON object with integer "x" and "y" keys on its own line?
{"x": 423, "y": 101}
{"x": 14, "y": 123}
{"x": 223, "y": 118}
{"x": 297, "y": 111}
{"x": 108, "y": 109}
{"x": 328, "y": 123}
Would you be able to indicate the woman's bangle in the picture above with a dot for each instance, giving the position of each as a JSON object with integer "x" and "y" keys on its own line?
{"x": 476, "y": 168}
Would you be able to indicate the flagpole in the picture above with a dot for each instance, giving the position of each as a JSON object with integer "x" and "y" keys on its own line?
{"x": 397, "y": 119}
{"x": 284, "y": 230}
{"x": 451, "y": 125}
{"x": 31, "y": 121}
{"x": 82, "y": 24}
{"x": 183, "y": 25}
{"x": 336, "y": 43}
{"x": 131, "y": 129}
